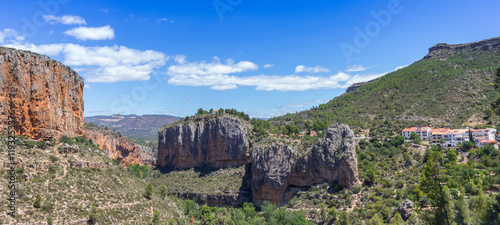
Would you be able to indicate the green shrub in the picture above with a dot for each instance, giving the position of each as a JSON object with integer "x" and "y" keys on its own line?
{"x": 66, "y": 139}
{"x": 53, "y": 158}
{"x": 38, "y": 201}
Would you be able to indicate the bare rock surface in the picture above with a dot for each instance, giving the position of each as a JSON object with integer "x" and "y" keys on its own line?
{"x": 204, "y": 142}
{"x": 121, "y": 149}
{"x": 44, "y": 96}
{"x": 275, "y": 169}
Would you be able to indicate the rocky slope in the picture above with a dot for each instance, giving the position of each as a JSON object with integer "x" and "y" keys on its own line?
{"x": 121, "y": 149}
{"x": 45, "y": 96}
{"x": 277, "y": 169}
{"x": 214, "y": 142}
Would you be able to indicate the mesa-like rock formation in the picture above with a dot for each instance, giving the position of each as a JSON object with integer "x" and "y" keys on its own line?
{"x": 120, "y": 148}
{"x": 45, "y": 96}
{"x": 277, "y": 168}
{"x": 214, "y": 142}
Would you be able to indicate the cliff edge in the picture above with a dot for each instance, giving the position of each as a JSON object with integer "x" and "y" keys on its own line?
{"x": 45, "y": 95}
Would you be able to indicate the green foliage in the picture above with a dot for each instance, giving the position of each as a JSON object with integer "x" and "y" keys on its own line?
{"x": 415, "y": 138}
{"x": 148, "y": 192}
{"x": 496, "y": 104}
{"x": 163, "y": 191}
{"x": 66, "y": 139}
{"x": 38, "y": 201}
{"x": 93, "y": 215}
{"x": 30, "y": 144}
{"x": 53, "y": 158}
{"x": 344, "y": 218}
{"x": 156, "y": 217}
{"x": 138, "y": 170}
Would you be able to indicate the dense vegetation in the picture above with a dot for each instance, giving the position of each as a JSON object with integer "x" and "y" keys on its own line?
{"x": 429, "y": 92}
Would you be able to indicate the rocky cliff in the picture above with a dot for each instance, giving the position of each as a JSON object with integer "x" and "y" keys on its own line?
{"x": 278, "y": 169}
{"x": 358, "y": 85}
{"x": 45, "y": 96}
{"x": 443, "y": 51}
{"x": 210, "y": 141}
{"x": 121, "y": 149}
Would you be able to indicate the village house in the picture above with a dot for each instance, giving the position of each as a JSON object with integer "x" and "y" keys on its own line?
{"x": 452, "y": 137}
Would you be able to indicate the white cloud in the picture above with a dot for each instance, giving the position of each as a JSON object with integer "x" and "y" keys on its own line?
{"x": 10, "y": 36}
{"x": 260, "y": 82}
{"x": 104, "y": 10}
{"x": 87, "y": 86}
{"x": 400, "y": 67}
{"x": 211, "y": 68}
{"x": 317, "y": 69}
{"x": 356, "y": 68}
{"x": 91, "y": 33}
{"x": 104, "y": 64}
{"x": 66, "y": 19}
{"x": 268, "y": 65}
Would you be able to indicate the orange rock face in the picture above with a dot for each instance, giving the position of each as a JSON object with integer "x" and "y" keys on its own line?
{"x": 120, "y": 148}
{"x": 45, "y": 95}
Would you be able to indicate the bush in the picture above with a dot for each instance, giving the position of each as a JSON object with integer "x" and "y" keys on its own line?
{"x": 66, "y": 139}
{"x": 41, "y": 144}
{"x": 93, "y": 217}
{"x": 53, "y": 158}
{"x": 148, "y": 192}
{"x": 29, "y": 144}
{"x": 38, "y": 201}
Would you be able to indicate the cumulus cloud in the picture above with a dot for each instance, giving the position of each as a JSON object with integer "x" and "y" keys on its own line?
{"x": 10, "y": 36}
{"x": 260, "y": 82}
{"x": 268, "y": 65}
{"x": 209, "y": 68}
{"x": 222, "y": 76}
{"x": 356, "y": 68}
{"x": 317, "y": 69}
{"x": 66, "y": 19}
{"x": 104, "y": 64}
{"x": 91, "y": 33}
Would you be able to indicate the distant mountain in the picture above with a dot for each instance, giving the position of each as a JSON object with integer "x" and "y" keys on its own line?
{"x": 141, "y": 129}
{"x": 451, "y": 86}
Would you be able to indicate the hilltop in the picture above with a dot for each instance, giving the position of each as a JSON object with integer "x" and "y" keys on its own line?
{"x": 141, "y": 129}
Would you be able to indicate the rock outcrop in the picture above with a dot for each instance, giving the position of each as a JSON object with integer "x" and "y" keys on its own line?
{"x": 278, "y": 169}
{"x": 45, "y": 96}
{"x": 214, "y": 142}
{"x": 358, "y": 85}
{"x": 443, "y": 51}
{"x": 120, "y": 148}
{"x": 405, "y": 209}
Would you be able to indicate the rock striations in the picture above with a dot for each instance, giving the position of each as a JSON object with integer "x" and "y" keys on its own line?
{"x": 45, "y": 96}
{"x": 120, "y": 148}
{"x": 276, "y": 169}
{"x": 204, "y": 142}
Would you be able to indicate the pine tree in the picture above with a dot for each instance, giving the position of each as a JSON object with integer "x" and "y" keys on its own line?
{"x": 398, "y": 220}
{"x": 156, "y": 217}
{"x": 148, "y": 193}
{"x": 496, "y": 104}
{"x": 38, "y": 201}
{"x": 163, "y": 191}
{"x": 344, "y": 218}
{"x": 471, "y": 138}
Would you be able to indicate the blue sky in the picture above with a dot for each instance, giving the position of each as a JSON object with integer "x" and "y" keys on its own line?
{"x": 265, "y": 58}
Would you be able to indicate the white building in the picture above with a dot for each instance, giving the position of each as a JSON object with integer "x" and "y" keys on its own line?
{"x": 452, "y": 138}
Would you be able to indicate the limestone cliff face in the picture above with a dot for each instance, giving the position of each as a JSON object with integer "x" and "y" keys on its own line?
{"x": 275, "y": 169}
{"x": 204, "y": 142}
{"x": 120, "y": 148}
{"x": 45, "y": 96}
